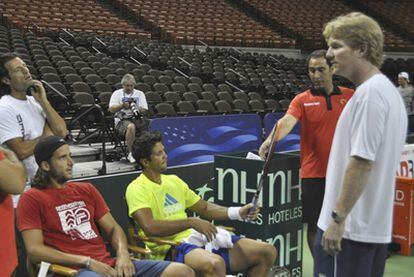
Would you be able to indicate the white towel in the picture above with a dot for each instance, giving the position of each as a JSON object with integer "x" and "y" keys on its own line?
{"x": 222, "y": 240}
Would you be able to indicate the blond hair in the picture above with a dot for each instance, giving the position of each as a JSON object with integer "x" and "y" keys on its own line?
{"x": 358, "y": 29}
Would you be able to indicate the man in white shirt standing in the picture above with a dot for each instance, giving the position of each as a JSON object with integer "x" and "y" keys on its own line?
{"x": 407, "y": 93}
{"x": 128, "y": 104}
{"x": 356, "y": 218}
{"x": 25, "y": 119}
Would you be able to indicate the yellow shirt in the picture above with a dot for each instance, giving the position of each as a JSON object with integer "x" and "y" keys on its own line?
{"x": 167, "y": 201}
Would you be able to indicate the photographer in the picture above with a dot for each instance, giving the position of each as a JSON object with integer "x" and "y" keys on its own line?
{"x": 128, "y": 105}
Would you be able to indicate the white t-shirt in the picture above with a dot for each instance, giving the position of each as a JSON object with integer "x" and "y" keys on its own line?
{"x": 119, "y": 96}
{"x": 373, "y": 126}
{"x": 407, "y": 94}
{"x": 24, "y": 119}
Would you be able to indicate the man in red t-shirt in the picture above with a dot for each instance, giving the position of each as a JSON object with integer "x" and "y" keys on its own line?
{"x": 318, "y": 110}
{"x": 12, "y": 181}
{"x": 59, "y": 222}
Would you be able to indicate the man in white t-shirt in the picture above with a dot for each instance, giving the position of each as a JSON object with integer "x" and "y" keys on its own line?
{"x": 25, "y": 119}
{"x": 128, "y": 105}
{"x": 407, "y": 93}
{"x": 356, "y": 219}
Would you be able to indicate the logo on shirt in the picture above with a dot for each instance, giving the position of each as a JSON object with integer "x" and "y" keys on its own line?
{"x": 20, "y": 122}
{"x": 342, "y": 101}
{"x": 75, "y": 220}
{"x": 311, "y": 104}
{"x": 171, "y": 205}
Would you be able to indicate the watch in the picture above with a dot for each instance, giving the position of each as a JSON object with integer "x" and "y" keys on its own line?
{"x": 337, "y": 217}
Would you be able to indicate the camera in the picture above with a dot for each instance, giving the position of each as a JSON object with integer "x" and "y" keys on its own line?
{"x": 134, "y": 109}
{"x": 132, "y": 105}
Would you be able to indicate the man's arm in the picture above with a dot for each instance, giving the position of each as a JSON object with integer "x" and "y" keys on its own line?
{"x": 355, "y": 180}
{"x": 22, "y": 148}
{"x": 285, "y": 125}
{"x": 123, "y": 266}
{"x": 117, "y": 107}
{"x": 216, "y": 212}
{"x": 55, "y": 121}
{"x": 210, "y": 210}
{"x": 25, "y": 148}
{"x": 115, "y": 233}
{"x": 12, "y": 173}
{"x": 162, "y": 228}
{"x": 38, "y": 251}
{"x": 142, "y": 110}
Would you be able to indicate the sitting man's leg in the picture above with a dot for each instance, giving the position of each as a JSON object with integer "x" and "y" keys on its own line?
{"x": 130, "y": 135}
{"x": 204, "y": 262}
{"x": 254, "y": 256}
{"x": 148, "y": 268}
{"x": 127, "y": 128}
{"x": 249, "y": 255}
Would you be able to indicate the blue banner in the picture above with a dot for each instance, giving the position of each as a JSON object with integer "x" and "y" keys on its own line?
{"x": 194, "y": 139}
{"x": 288, "y": 143}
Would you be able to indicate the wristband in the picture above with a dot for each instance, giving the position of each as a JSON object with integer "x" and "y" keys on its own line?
{"x": 88, "y": 263}
{"x": 234, "y": 213}
{"x": 2, "y": 156}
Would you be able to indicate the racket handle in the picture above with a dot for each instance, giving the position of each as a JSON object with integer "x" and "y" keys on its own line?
{"x": 254, "y": 202}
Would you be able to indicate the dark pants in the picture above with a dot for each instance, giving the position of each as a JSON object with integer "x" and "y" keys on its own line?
{"x": 356, "y": 259}
{"x": 313, "y": 191}
{"x": 411, "y": 123}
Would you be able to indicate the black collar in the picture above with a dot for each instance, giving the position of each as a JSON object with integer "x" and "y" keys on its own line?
{"x": 335, "y": 91}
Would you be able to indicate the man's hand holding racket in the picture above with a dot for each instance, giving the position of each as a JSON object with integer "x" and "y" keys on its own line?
{"x": 249, "y": 212}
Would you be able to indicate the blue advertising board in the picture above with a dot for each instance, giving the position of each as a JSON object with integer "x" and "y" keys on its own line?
{"x": 194, "y": 139}
{"x": 289, "y": 143}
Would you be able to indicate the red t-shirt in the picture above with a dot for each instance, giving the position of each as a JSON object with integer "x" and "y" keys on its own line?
{"x": 318, "y": 115}
{"x": 67, "y": 218}
{"x": 8, "y": 252}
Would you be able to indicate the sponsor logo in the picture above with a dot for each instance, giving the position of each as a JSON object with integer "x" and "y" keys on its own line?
{"x": 342, "y": 101}
{"x": 311, "y": 104}
{"x": 75, "y": 220}
{"x": 171, "y": 205}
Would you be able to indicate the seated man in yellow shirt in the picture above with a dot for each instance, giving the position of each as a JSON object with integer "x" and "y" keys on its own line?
{"x": 157, "y": 202}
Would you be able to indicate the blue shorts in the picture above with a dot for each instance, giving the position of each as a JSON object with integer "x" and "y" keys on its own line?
{"x": 356, "y": 259}
{"x": 186, "y": 248}
{"x": 143, "y": 268}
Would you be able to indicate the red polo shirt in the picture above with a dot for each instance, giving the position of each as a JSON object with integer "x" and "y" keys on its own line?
{"x": 318, "y": 115}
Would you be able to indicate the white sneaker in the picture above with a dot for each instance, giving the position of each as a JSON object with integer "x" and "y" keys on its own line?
{"x": 130, "y": 158}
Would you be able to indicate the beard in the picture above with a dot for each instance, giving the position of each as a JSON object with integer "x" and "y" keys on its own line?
{"x": 319, "y": 90}
{"x": 58, "y": 177}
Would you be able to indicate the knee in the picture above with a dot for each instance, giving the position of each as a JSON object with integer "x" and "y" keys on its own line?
{"x": 268, "y": 253}
{"x": 131, "y": 128}
{"x": 215, "y": 266}
{"x": 178, "y": 270}
{"x": 271, "y": 253}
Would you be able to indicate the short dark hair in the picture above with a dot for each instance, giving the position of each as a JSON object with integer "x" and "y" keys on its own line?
{"x": 5, "y": 58}
{"x": 143, "y": 145}
{"x": 321, "y": 53}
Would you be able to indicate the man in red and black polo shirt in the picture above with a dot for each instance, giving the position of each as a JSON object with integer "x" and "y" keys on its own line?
{"x": 12, "y": 181}
{"x": 318, "y": 110}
